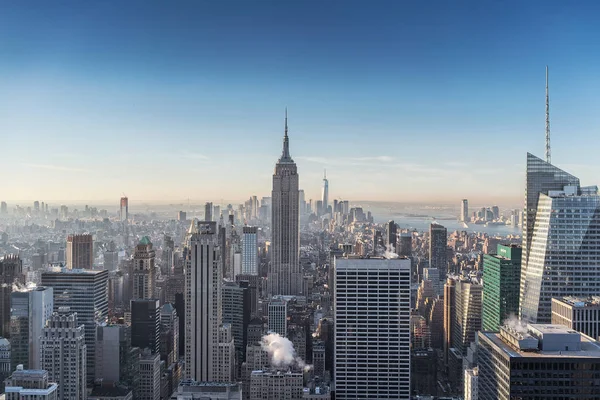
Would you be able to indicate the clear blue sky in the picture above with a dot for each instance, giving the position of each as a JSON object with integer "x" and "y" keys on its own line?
{"x": 399, "y": 100}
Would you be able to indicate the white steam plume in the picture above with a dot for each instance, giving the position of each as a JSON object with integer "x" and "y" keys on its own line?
{"x": 281, "y": 352}
{"x": 515, "y": 323}
{"x": 389, "y": 252}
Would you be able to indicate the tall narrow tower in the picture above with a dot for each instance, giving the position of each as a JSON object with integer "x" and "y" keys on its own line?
{"x": 284, "y": 275}
{"x": 548, "y": 155}
{"x": 325, "y": 194}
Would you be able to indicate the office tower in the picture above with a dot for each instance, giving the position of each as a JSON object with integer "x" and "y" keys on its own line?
{"x": 318, "y": 358}
{"x": 26, "y": 384}
{"x": 540, "y": 178}
{"x": 217, "y": 214}
{"x": 390, "y": 235}
{"x": 538, "y": 361}
{"x": 435, "y": 320}
{"x": 145, "y": 324}
{"x": 169, "y": 328}
{"x": 64, "y": 212}
{"x": 502, "y": 273}
{"x": 449, "y": 316}
{"x": 3, "y": 208}
{"x": 149, "y": 385}
{"x": 437, "y": 248}
{"x": 30, "y": 310}
{"x": 116, "y": 360}
{"x": 468, "y": 303}
{"x": 191, "y": 390}
{"x": 249, "y": 250}
{"x": 580, "y": 314}
{"x": 404, "y": 245}
{"x": 433, "y": 275}
{"x": 325, "y": 193}
{"x": 205, "y": 355}
{"x": 111, "y": 257}
{"x": 85, "y": 292}
{"x": 562, "y": 257}
{"x": 124, "y": 209}
{"x": 144, "y": 270}
{"x": 236, "y": 312}
{"x": 80, "y": 252}
{"x": 11, "y": 271}
{"x": 208, "y": 211}
{"x": 181, "y": 216}
{"x": 423, "y": 370}
{"x": 276, "y": 385}
{"x": 5, "y": 364}
{"x": 284, "y": 277}
{"x": 63, "y": 354}
{"x": 278, "y": 316}
{"x": 372, "y": 316}
{"x": 168, "y": 255}
{"x": 496, "y": 212}
{"x": 464, "y": 210}
{"x": 302, "y": 201}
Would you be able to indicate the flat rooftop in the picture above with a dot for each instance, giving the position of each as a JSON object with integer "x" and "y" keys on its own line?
{"x": 592, "y": 301}
{"x": 589, "y": 347}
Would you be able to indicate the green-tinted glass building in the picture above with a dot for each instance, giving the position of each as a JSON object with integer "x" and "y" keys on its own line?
{"x": 501, "y": 280}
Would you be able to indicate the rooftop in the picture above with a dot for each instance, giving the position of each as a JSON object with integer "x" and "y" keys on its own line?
{"x": 579, "y": 301}
{"x": 114, "y": 391}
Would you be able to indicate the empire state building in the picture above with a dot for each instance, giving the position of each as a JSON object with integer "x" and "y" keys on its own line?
{"x": 284, "y": 276}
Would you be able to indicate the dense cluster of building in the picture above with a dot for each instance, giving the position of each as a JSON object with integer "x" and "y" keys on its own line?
{"x": 283, "y": 298}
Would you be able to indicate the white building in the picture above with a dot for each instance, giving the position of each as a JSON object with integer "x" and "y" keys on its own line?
{"x": 64, "y": 354}
{"x": 249, "y": 250}
{"x": 470, "y": 388}
{"x": 276, "y": 385}
{"x": 30, "y": 385}
{"x": 464, "y": 210}
{"x": 372, "y": 332}
{"x": 149, "y": 385}
{"x": 278, "y": 316}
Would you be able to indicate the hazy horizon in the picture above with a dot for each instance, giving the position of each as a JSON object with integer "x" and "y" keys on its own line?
{"x": 399, "y": 102}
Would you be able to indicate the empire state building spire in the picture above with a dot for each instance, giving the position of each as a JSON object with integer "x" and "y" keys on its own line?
{"x": 285, "y": 155}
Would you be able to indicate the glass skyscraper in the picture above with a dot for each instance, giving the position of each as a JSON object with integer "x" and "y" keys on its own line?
{"x": 563, "y": 256}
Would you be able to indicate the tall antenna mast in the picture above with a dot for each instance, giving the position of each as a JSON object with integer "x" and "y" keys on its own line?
{"x": 548, "y": 157}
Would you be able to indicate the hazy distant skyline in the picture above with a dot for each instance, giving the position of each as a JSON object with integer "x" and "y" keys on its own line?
{"x": 400, "y": 101}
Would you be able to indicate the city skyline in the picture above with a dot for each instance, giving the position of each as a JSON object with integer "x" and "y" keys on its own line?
{"x": 444, "y": 102}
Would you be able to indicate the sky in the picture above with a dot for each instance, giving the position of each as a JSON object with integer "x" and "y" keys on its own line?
{"x": 399, "y": 100}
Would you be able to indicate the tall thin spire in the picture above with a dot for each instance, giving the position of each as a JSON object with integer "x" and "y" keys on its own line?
{"x": 285, "y": 155}
{"x": 325, "y": 174}
{"x": 548, "y": 156}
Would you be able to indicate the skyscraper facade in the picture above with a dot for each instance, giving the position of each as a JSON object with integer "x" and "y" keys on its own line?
{"x": 144, "y": 270}
{"x": 278, "y": 316}
{"x": 80, "y": 252}
{"x": 391, "y": 236}
{"x": 540, "y": 178}
{"x": 284, "y": 277}
{"x": 438, "y": 239}
{"x": 372, "y": 332}
{"x": 206, "y": 357}
{"x": 208, "y": 211}
{"x": 449, "y": 316}
{"x": 63, "y": 354}
{"x": 464, "y": 210}
{"x": 30, "y": 310}
{"x": 11, "y": 271}
{"x": 325, "y": 194}
{"x": 124, "y": 209}
{"x": 85, "y": 292}
{"x": 502, "y": 273}
{"x": 467, "y": 318}
{"x": 145, "y": 324}
{"x": 249, "y": 250}
{"x": 563, "y": 255}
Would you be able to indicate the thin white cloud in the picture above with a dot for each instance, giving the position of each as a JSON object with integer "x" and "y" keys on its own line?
{"x": 55, "y": 167}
